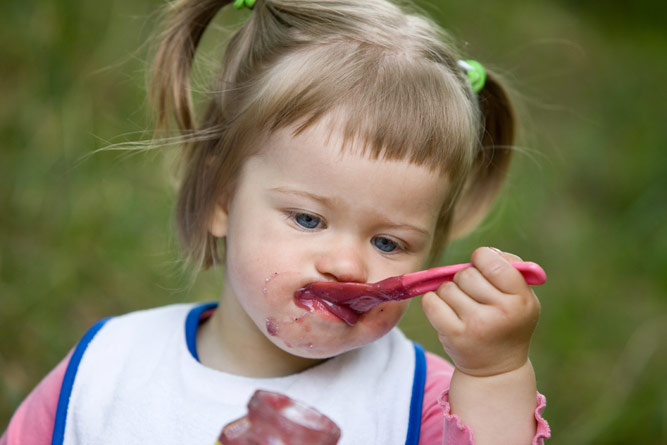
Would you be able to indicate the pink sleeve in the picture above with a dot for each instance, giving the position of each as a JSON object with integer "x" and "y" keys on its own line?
{"x": 33, "y": 420}
{"x": 439, "y": 425}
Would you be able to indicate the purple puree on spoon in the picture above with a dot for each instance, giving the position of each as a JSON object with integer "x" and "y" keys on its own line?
{"x": 306, "y": 299}
{"x": 348, "y": 300}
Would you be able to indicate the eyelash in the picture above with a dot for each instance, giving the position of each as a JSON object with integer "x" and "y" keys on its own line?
{"x": 292, "y": 215}
{"x": 400, "y": 246}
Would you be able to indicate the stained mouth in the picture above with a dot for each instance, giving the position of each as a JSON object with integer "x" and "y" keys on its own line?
{"x": 307, "y": 300}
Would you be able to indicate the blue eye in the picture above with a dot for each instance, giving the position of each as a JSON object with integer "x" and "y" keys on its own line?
{"x": 307, "y": 221}
{"x": 384, "y": 244}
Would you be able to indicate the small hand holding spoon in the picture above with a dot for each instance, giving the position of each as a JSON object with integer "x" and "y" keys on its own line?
{"x": 349, "y": 299}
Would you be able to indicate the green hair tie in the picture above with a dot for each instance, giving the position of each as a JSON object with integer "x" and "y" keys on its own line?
{"x": 240, "y": 4}
{"x": 475, "y": 72}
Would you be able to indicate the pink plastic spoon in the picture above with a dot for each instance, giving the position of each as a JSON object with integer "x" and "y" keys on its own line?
{"x": 347, "y": 299}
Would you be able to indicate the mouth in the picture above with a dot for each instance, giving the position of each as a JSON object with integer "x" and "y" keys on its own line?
{"x": 306, "y": 300}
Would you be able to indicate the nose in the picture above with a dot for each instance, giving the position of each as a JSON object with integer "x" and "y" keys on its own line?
{"x": 343, "y": 261}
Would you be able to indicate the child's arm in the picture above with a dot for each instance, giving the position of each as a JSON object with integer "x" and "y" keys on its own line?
{"x": 33, "y": 420}
{"x": 485, "y": 320}
{"x": 436, "y": 404}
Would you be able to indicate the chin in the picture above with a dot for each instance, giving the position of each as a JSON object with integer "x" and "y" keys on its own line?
{"x": 334, "y": 342}
{"x": 319, "y": 334}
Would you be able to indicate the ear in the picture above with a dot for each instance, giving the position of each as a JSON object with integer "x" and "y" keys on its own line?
{"x": 218, "y": 224}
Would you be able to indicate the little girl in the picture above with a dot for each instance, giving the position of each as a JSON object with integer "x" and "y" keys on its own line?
{"x": 344, "y": 140}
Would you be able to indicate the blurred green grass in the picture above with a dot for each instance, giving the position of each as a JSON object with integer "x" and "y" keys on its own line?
{"x": 83, "y": 236}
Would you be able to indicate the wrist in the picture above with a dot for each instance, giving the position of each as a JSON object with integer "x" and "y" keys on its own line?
{"x": 520, "y": 379}
{"x": 498, "y": 369}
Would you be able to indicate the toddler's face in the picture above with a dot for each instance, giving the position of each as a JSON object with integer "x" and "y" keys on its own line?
{"x": 305, "y": 211}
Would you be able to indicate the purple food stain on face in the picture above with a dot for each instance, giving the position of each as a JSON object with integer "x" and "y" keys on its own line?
{"x": 265, "y": 289}
{"x": 272, "y": 326}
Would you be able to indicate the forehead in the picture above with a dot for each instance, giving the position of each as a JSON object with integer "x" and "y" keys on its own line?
{"x": 318, "y": 161}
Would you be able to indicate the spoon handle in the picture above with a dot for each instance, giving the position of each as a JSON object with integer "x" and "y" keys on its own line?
{"x": 429, "y": 280}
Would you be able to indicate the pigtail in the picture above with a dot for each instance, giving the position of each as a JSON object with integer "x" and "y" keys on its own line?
{"x": 185, "y": 23}
{"x": 492, "y": 160}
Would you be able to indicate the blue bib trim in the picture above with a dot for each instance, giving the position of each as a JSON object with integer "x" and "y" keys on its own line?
{"x": 191, "y": 325}
{"x": 68, "y": 382}
{"x": 417, "y": 401}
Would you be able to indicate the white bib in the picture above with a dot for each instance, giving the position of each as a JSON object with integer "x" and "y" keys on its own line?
{"x": 132, "y": 380}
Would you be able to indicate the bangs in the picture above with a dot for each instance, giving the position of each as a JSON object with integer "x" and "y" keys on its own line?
{"x": 387, "y": 103}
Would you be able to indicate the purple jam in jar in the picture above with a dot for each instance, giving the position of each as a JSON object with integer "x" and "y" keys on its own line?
{"x": 275, "y": 419}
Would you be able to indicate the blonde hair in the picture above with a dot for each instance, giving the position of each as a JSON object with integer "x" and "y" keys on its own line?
{"x": 390, "y": 76}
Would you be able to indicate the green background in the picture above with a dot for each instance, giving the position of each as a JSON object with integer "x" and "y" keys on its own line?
{"x": 85, "y": 236}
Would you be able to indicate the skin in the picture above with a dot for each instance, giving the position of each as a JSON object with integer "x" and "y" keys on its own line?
{"x": 304, "y": 210}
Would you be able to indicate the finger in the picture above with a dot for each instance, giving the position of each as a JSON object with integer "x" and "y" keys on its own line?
{"x": 439, "y": 313}
{"x": 459, "y": 301}
{"x": 476, "y": 286}
{"x": 510, "y": 257}
{"x": 497, "y": 270}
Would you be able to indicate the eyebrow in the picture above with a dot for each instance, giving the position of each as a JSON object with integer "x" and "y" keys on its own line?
{"x": 321, "y": 199}
{"x": 419, "y": 230}
{"x": 329, "y": 202}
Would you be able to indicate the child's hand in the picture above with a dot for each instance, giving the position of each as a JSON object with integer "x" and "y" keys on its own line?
{"x": 486, "y": 316}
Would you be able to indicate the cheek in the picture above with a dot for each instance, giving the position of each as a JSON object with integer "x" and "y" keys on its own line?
{"x": 251, "y": 253}
{"x": 263, "y": 247}
{"x": 246, "y": 274}
{"x": 264, "y": 286}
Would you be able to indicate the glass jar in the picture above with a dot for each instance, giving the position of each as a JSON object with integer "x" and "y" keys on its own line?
{"x": 275, "y": 419}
